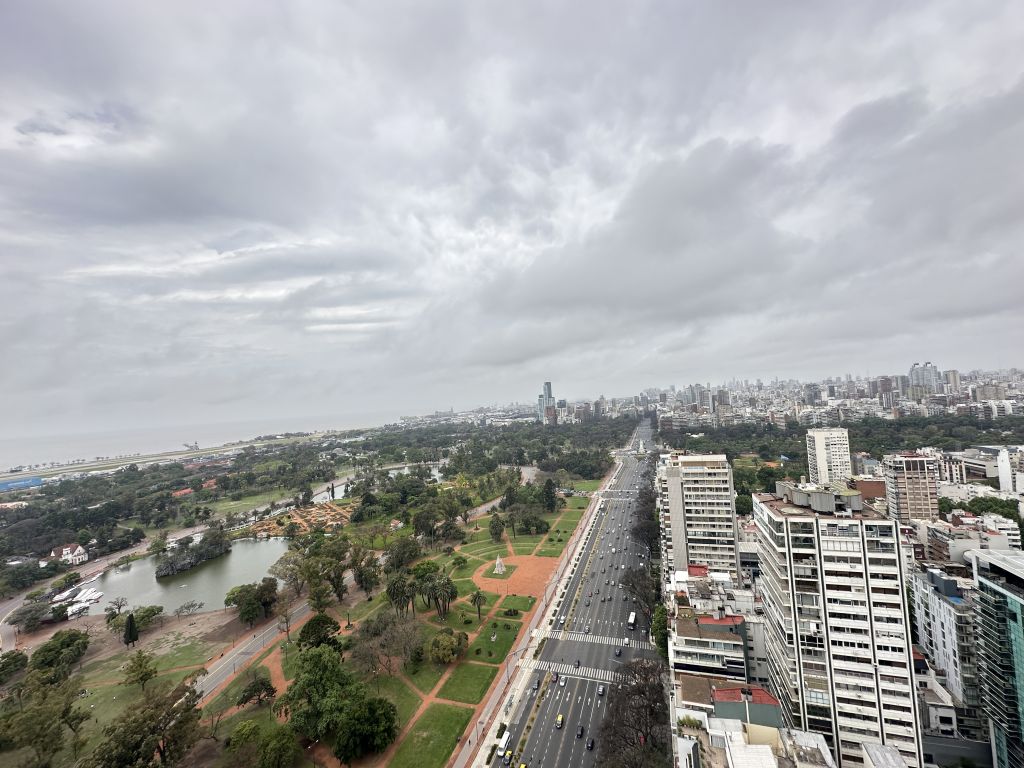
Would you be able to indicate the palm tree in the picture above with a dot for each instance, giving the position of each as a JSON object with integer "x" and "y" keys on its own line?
{"x": 478, "y": 600}
{"x": 397, "y": 593}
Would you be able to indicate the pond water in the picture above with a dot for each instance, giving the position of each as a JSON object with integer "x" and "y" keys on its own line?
{"x": 247, "y": 561}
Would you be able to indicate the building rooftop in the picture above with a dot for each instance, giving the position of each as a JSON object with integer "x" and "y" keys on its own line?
{"x": 782, "y": 506}
{"x": 882, "y": 756}
{"x": 715, "y": 630}
{"x": 755, "y": 694}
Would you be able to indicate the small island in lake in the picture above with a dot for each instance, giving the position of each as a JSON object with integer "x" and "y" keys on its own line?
{"x": 188, "y": 553}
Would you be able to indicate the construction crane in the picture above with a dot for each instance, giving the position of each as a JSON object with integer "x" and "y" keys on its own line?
{"x": 192, "y": 446}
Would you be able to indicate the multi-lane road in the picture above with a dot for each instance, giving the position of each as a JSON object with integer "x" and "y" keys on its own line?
{"x": 589, "y": 630}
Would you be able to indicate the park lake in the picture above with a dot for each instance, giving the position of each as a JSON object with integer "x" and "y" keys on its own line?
{"x": 207, "y": 583}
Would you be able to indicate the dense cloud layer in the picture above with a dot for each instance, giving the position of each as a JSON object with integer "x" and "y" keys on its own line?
{"x": 236, "y": 211}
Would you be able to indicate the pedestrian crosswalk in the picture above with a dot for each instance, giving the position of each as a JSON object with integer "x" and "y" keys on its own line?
{"x": 570, "y": 670}
{"x": 583, "y": 637}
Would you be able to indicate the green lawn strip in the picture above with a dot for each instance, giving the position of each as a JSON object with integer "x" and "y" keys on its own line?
{"x": 398, "y": 693}
{"x": 465, "y": 587}
{"x": 228, "y": 697}
{"x": 468, "y": 569}
{"x": 460, "y": 618}
{"x": 577, "y": 502}
{"x": 552, "y": 550}
{"x": 433, "y": 737}
{"x": 585, "y": 486}
{"x": 524, "y": 545}
{"x": 426, "y": 677}
{"x": 468, "y": 683}
{"x": 483, "y": 549}
{"x": 289, "y": 660}
{"x": 193, "y": 653}
{"x": 490, "y": 574}
{"x": 248, "y": 503}
{"x": 359, "y": 607}
{"x": 520, "y": 602}
{"x": 501, "y": 645}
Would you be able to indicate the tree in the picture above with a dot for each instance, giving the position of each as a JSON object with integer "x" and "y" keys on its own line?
{"x": 140, "y": 669}
{"x": 188, "y": 608}
{"x": 459, "y": 561}
{"x": 316, "y": 701}
{"x": 659, "y": 629}
{"x": 278, "y": 747}
{"x": 67, "y": 580}
{"x": 284, "y": 621}
{"x": 744, "y": 504}
{"x": 478, "y": 600}
{"x": 266, "y": 594}
{"x": 258, "y": 689}
{"x": 401, "y": 553}
{"x": 638, "y": 583}
{"x": 131, "y": 631}
{"x": 447, "y": 646}
{"x": 496, "y": 527}
{"x": 164, "y": 725}
{"x": 367, "y": 574}
{"x": 28, "y": 618}
{"x": 368, "y": 726}
{"x": 398, "y": 592}
{"x": 647, "y": 533}
{"x": 319, "y": 630}
{"x": 117, "y": 605}
{"x": 442, "y": 592}
{"x": 548, "y": 497}
{"x": 289, "y": 569}
{"x": 57, "y": 655}
{"x": 11, "y": 663}
{"x": 159, "y": 544}
{"x": 245, "y": 597}
{"x": 635, "y": 730}
{"x": 43, "y": 712}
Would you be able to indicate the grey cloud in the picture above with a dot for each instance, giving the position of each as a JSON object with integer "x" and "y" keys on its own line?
{"x": 229, "y": 212}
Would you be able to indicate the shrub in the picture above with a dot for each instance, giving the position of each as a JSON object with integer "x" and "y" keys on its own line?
{"x": 507, "y": 625}
{"x": 477, "y": 651}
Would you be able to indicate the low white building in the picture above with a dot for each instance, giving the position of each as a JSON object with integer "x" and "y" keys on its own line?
{"x": 74, "y": 554}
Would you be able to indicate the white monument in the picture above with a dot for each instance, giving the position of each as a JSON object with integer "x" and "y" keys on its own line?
{"x": 499, "y": 567}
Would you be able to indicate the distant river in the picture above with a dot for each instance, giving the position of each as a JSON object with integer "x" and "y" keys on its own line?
{"x": 247, "y": 561}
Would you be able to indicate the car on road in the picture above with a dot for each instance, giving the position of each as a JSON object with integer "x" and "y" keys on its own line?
{"x": 606, "y": 581}
{"x": 600, "y": 690}
{"x": 559, "y": 721}
{"x": 590, "y": 745}
{"x": 507, "y": 760}
{"x": 587, "y": 630}
{"x": 562, "y": 620}
{"x": 587, "y": 604}
{"x": 561, "y": 684}
{"x": 536, "y": 684}
{"x": 618, "y": 651}
{"x": 579, "y": 732}
{"x": 625, "y": 641}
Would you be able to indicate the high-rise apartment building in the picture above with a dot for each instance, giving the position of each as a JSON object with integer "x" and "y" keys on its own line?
{"x": 999, "y": 580}
{"x": 698, "y": 513}
{"x": 837, "y": 630}
{"x": 828, "y": 456}
{"x": 911, "y": 486}
{"x": 927, "y": 377}
{"x": 944, "y": 614}
{"x": 545, "y": 405}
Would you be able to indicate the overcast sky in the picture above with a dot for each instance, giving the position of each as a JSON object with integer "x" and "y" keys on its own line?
{"x": 230, "y": 211}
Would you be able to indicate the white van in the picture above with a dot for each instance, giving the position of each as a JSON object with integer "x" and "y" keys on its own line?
{"x": 503, "y": 742}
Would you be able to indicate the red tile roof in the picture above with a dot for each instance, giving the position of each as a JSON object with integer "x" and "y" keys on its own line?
{"x": 724, "y": 621}
{"x": 697, "y": 571}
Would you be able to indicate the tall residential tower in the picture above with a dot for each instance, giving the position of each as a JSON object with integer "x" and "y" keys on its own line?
{"x": 828, "y": 456}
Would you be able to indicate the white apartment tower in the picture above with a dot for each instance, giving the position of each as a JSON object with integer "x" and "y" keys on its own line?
{"x": 697, "y": 508}
{"x": 911, "y": 486}
{"x": 828, "y": 456}
{"x": 837, "y": 631}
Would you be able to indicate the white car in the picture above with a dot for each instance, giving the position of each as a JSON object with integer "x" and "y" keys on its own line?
{"x": 561, "y": 682}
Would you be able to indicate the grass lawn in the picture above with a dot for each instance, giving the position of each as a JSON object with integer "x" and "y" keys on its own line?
{"x": 399, "y": 694}
{"x": 289, "y": 660}
{"x": 484, "y": 550}
{"x": 509, "y": 570}
{"x": 468, "y": 569}
{"x": 192, "y": 653}
{"x": 248, "y": 503}
{"x": 524, "y": 545}
{"x": 229, "y": 696}
{"x": 500, "y": 647}
{"x": 456, "y": 618}
{"x": 577, "y": 502}
{"x": 552, "y": 548}
{"x": 358, "y": 606}
{"x": 433, "y": 737}
{"x": 586, "y": 486}
{"x": 468, "y": 683}
{"x": 465, "y": 587}
{"x": 426, "y": 677}
{"x": 520, "y": 602}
